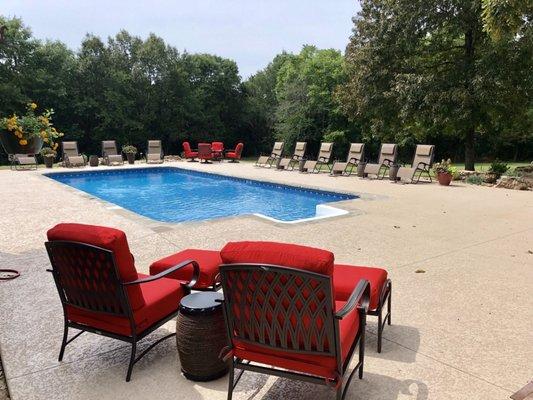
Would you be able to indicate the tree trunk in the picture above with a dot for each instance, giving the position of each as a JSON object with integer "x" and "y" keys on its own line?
{"x": 470, "y": 101}
{"x": 470, "y": 150}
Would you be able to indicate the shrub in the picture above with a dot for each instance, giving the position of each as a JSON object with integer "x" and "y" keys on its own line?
{"x": 499, "y": 168}
{"x": 444, "y": 167}
{"x": 474, "y": 180}
{"x": 48, "y": 152}
{"x": 129, "y": 149}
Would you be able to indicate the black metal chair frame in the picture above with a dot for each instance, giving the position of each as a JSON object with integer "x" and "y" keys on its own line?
{"x": 121, "y": 300}
{"x": 384, "y": 296}
{"x": 330, "y": 327}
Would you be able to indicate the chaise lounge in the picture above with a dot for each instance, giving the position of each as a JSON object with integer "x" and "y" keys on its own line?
{"x": 388, "y": 153}
{"x": 154, "y": 152}
{"x": 355, "y": 156}
{"x": 71, "y": 155}
{"x": 297, "y": 157}
{"x": 110, "y": 154}
{"x": 275, "y": 156}
{"x": 20, "y": 162}
{"x": 422, "y": 162}
{"x": 323, "y": 158}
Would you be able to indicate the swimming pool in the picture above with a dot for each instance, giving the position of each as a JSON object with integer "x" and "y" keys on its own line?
{"x": 170, "y": 194}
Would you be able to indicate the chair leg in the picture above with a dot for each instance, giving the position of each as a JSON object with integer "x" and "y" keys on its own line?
{"x": 362, "y": 348}
{"x": 231, "y": 378}
{"x": 339, "y": 393}
{"x": 389, "y": 305}
{"x": 63, "y": 343}
{"x": 132, "y": 360}
{"x": 380, "y": 327}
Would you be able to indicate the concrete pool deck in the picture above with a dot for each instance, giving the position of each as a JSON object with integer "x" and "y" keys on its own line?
{"x": 461, "y": 330}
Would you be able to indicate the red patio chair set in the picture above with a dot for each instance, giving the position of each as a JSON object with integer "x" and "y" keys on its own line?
{"x": 215, "y": 151}
{"x": 289, "y": 310}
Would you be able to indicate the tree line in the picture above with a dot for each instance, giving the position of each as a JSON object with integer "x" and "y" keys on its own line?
{"x": 432, "y": 71}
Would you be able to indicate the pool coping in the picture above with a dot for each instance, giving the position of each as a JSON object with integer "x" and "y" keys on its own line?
{"x": 328, "y": 211}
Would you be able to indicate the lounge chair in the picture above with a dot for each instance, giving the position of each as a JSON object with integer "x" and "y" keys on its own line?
{"x": 188, "y": 153}
{"x": 20, "y": 162}
{"x": 275, "y": 155}
{"x": 290, "y": 162}
{"x": 204, "y": 152}
{"x": 154, "y": 152}
{"x": 324, "y": 157}
{"x": 422, "y": 162}
{"x": 101, "y": 291}
{"x": 217, "y": 148}
{"x": 110, "y": 154}
{"x": 354, "y": 157}
{"x": 71, "y": 155}
{"x": 235, "y": 155}
{"x": 283, "y": 320}
{"x": 388, "y": 154}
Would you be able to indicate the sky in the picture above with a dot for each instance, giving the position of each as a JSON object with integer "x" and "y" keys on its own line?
{"x": 251, "y": 32}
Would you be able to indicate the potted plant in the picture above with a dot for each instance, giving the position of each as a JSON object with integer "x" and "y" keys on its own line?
{"x": 48, "y": 155}
{"x": 26, "y": 134}
{"x": 496, "y": 170}
{"x": 444, "y": 172}
{"x": 130, "y": 152}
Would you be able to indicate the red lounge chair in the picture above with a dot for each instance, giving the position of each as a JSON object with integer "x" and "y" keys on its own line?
{"x": 282, "y": 319}
{"x": 204, "y": 152}
{"x": 188, "y": 153}
{"x": 208, "y": 260}
{"x": 235, "y": 155}
{"x": 101, "y": 292}
{"x": 217, "y": 148}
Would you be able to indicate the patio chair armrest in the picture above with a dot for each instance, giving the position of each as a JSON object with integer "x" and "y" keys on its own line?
{"x": 388, "y": 162}
{"x": 353, "y": 160}
{"x": 183, "y": 264}
{"x": 322, "y": 159}
{"x": 275, "y": 155}
{"x": 360, "y": 297}
{"x": 422, "y": 165}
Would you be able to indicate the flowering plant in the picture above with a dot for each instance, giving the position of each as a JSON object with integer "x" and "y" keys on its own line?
{"x": 31, "y": 125}
{"x": 444, "y": 167}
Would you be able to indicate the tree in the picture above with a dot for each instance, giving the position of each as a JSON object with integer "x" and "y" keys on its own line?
{"x": 424, "y": 69}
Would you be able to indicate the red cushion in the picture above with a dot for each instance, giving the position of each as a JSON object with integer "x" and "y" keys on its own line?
{"x": 162, "y": 297}
{"x": 346, "y": 277}
{"x": 209, "y": 261}
{"x": 107, "y": 238}
{"x": 231, "y": 155}
{"x": 319, "y": 365}
{"x": 283, "y": 254}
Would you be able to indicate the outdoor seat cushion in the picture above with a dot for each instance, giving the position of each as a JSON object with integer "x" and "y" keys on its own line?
{"x": 208, "y": 260}
{"x": 107, "y": 238}
{"x": 162, "y": 298}
{"x": 283, "y": 254}
{"x": 346, "y": 278}
{"x": 319, "y": 365}
{"x": 232, "y": 154}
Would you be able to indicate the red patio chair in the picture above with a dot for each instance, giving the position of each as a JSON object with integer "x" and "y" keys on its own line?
{"x": 218, "y": 150}
{"x": 188, "y": 153}
{"x": 282, "y": 318}
{"x": 235, "y": 155}
{"x": 205, "y": 152}
{"x": 101, "y": 291}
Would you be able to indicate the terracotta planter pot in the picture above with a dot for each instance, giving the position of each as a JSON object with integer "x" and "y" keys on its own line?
{"x": 48, "y": 162}
{"x": 11, "y": 144}
{"x": 444, "y": 178}
{"x": 131, "y": 158}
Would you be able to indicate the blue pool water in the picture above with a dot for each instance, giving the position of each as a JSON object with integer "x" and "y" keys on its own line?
{"x": 175, "y": 195}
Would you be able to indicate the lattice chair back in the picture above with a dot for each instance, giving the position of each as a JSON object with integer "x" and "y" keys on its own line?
{"x": 279, "y": 308}
{"x": 86, "y": 277}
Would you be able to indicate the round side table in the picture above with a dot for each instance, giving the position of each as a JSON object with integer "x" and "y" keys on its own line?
{"x": 200, "y": 336}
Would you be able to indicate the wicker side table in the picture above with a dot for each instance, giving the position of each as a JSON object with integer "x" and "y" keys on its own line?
{"x": 200, "y": 336}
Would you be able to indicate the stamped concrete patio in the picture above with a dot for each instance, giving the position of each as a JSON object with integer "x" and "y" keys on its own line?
{"x": 460, "y": 258}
